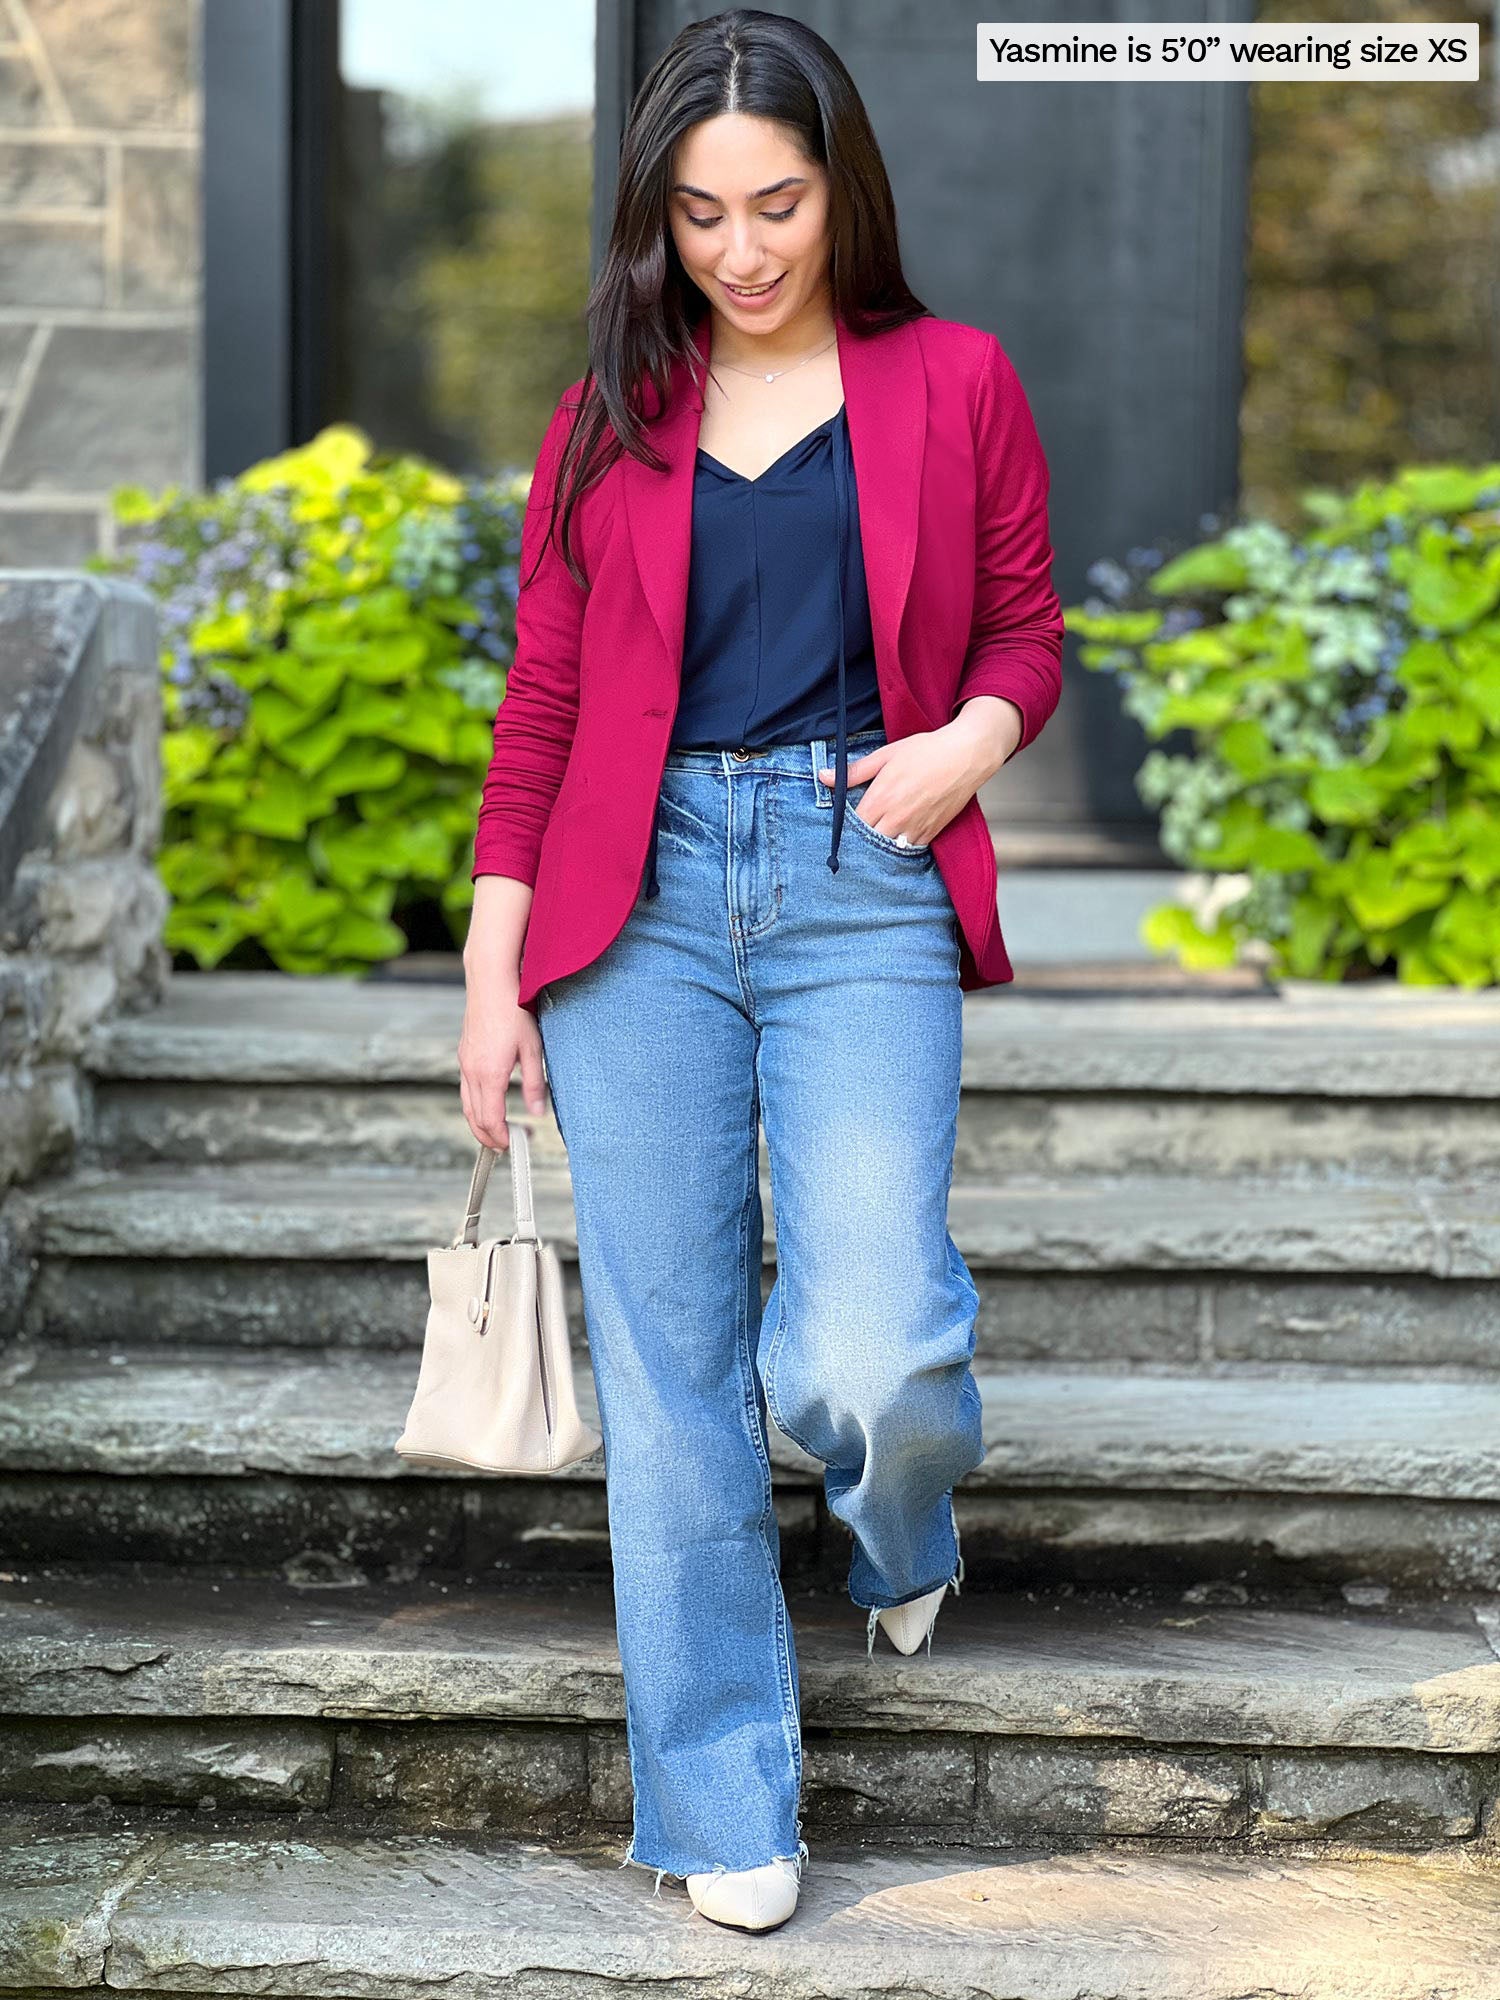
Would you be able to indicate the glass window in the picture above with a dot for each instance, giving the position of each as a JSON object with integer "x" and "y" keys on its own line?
{"x": 462, "y": 179}
{"x": 1372, "y": 337}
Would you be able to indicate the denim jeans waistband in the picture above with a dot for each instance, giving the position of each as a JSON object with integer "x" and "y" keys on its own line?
{"x": 809, "y": 755}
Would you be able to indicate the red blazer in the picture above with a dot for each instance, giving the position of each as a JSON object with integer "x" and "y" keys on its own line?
{"x": 953, "y": 523}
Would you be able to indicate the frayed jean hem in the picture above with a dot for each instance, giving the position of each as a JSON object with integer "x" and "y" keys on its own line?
{"x": 798, "y": 1859}
{"x": 953, "y": 1583}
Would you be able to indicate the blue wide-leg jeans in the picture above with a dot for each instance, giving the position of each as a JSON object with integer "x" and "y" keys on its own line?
{"x": 759, "y": 985}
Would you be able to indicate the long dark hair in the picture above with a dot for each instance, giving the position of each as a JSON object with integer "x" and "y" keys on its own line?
{"x": 643, "y": 306}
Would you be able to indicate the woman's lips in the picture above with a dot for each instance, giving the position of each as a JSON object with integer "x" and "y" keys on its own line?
{"x": 752, "y": 299}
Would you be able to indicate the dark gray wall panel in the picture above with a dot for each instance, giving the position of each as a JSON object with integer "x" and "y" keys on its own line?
{"x": 1098, "y": 230}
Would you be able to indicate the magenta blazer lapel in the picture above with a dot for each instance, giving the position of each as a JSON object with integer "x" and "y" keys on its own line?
{"x": 885, "y": 393}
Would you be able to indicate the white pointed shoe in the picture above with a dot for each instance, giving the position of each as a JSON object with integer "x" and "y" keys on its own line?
{"x": 907, "y": 1626}
{"x": 750, "y": 1899}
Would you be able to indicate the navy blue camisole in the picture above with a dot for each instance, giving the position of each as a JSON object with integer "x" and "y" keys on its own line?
{"x": 774, "y": 650}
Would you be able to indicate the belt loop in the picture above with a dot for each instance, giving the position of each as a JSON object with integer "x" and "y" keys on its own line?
{"x": 819, "y": 759}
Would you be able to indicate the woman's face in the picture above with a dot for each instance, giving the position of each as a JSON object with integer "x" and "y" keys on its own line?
{"x": 748, "y": 210}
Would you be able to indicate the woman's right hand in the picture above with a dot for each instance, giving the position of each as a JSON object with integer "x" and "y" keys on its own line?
{"x": 497, "y": 1031}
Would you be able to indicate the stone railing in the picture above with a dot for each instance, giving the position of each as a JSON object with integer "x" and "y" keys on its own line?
{"x": 81, "y": 905}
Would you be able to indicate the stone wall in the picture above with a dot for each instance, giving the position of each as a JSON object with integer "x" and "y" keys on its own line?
{"x": 81, "y": 921}
{"x": 100, "y": 265}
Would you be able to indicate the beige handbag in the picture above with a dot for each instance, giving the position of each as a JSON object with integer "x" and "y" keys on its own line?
{"x": 495, "y": 1388}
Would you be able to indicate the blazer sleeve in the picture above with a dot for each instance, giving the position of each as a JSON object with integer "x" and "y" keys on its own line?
{"x": 1016, "y": 637}
{"x": 538, "y": 714}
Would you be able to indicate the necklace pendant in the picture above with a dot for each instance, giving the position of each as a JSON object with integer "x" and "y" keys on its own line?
{"x": 770, "y": 378}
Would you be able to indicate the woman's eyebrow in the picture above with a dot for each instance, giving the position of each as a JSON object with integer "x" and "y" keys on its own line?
{"x": 792, "y": 180}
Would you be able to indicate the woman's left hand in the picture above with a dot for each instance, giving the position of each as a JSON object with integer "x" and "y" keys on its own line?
{"x": 921, "y": 782}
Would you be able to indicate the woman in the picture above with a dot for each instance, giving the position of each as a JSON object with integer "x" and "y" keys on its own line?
{"x": 732, "y": 816}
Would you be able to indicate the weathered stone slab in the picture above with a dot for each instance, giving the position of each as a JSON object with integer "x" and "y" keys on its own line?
{"x": 44, "y": 537}
{"x": 51, "y": 174}
{"x": 899, "y": 1780}
{"x": 871, "y": 1781}
{"x": 132, "y": 1411}
{"x": 110, "y": 404}
{"x": 398, "y": 1122}
{"x": 281, "y": 1302}
{"x": 1403, "y": 1801}
{"x": 351, "y": 1530}
{"x": 523, "y": 1777}
{"x": 1421, "y": 1322}
{"x": 164, "y": 1762}
{"x": 1020, "y": 1539}
{"x": 1033, "y": 1790}
{"x": 121, "y": 66}
{"x": 51, "y": 263}
{"x": 1421, "y": 1679}
{"x": 1048, "y": 1317}
{"x": 58, "y": 1894}
{"x": 21, "y": 99}
{"x": 161, "y": 252}
{"x": 387, "y": 1918}
{"x": 263, "y": 1027}
{"x": 1142, "y": 1225}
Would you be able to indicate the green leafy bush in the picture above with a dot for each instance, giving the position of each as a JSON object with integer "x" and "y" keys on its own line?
{"x": 1342, "y": 695}
{"x": 335, "y": 631}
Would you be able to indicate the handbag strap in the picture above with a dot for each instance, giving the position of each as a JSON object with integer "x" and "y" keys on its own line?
{"x": 520, "y": 1176}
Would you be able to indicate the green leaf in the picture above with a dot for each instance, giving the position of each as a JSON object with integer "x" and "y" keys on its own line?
{"x": 383, "y": 660}
{"x": 425, "y": 730}
{"x": 323, "y": 629}
{"x": 1171, "y": 928}
{"x": 367, "y": 711}
{"x": 275, "y": 716}
{"x": 363, "y": 767}
{"x": 185, "y": 754}
{"x": 206, "y": 930}
{"x": 189, "y": 870}
{"x": 1448, "y": 590}
{"x": 1382, "y": 896}
{"x": 1246, "y": 748}
{"x": 385, "y": 609}
{"x": 1416, "y": 966}
{"x": 1346, "y": 795}
{"x": 312, "y": 750}
{"x": 1284, "y": 850}
{"x": 311, "y": 683}
{"x": 133, "y": 505}
{"x": 1312, "y": 930}
{"x": 357, "y": 936}
{"x": 1482, "y": 691}
{"x": 223, "y": 632}
{"x": 298, "y": 903}
{"x": 1469, "y": 924}
{"x": 352, "y": 856}
{"x": 276, "y": 805}
{"x": 1213, "y": 567}
{"x": 1484, "y": 763}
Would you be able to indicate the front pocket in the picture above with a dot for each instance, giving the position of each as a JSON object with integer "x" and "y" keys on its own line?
{"x": 916, "y": 851}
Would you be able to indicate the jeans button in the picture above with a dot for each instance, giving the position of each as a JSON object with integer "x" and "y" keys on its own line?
{"x": 742, "y": 753}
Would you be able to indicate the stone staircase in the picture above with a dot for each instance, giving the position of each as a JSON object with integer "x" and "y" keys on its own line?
{"x": 1218, "y": 1711}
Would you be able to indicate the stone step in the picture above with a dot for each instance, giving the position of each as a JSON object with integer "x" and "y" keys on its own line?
{"x": 1090, "y": 1475}
{"x": 1077, "y": 1227}
{"x": 1171, "y": 1271}
{"x": 263, "y": 1027}
{"x": 1061, "y": 1719}
{"x": 1308, "y": 1084}
{"x": 297, "y": 1915}
{"x": 1306, "y": 1140}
